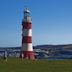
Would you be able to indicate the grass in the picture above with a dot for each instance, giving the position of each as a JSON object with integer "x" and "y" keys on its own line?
{"x": 18, "y": 65}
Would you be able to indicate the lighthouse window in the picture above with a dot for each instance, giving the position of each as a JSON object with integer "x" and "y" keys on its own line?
{"x": 27, "y": 14}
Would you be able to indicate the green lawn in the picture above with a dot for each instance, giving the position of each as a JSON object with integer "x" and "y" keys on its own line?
{"x": 18, "y": 65}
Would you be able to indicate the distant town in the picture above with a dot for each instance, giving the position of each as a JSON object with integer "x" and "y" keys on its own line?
{"x": 41, "y": 51}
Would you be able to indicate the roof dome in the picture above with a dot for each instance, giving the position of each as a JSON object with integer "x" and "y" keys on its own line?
{"x": 26, "y": 10}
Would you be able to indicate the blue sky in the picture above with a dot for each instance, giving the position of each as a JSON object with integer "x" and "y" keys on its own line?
{"x": 51, "y": 21}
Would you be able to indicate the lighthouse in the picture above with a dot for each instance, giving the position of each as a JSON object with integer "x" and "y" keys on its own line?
{"x": 27, "y": 48}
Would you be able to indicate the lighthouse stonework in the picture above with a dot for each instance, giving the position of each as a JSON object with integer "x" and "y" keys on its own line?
{"x": 27, "y": 48}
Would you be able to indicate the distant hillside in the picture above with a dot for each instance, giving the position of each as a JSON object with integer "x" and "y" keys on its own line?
{"x": 67, "y": 47}
{"x": 43, "y": 51}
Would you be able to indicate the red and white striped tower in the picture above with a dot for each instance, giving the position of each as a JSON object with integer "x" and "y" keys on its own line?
{"x": 27, "y": 49}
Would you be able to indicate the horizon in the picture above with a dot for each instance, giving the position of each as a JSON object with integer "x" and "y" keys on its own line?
{"x": 51, "y": 22}
{"x": 38, "y": 45}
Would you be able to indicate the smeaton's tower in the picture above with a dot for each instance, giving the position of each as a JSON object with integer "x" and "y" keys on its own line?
{"x": 27, "y": 48}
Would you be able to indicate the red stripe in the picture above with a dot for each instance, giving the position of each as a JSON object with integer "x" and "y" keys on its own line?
{"x": 28, "y": 54}
{"x": 27, "y": 39}
{"x": 26, "y": 25}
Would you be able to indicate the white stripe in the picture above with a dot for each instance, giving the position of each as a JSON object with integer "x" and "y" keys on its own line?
{"x": 27, "y": 19}
{"x": 27, "y": 47}
{"x": 27, "y": 32}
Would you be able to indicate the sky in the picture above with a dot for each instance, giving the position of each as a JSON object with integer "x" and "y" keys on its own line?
{"x": 51, "y": 21}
